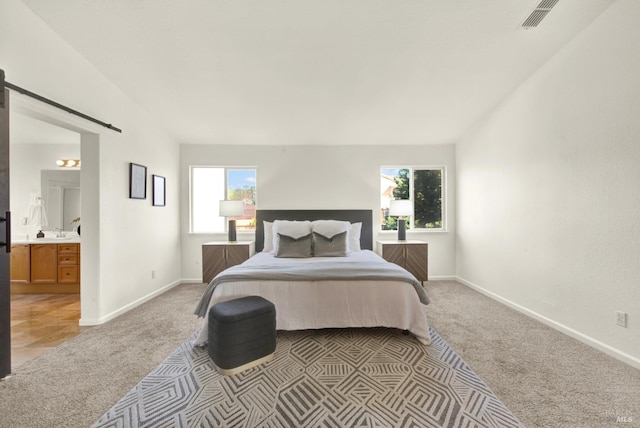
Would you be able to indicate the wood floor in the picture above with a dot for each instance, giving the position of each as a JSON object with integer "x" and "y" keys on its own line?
{"x": 40, "y": 322}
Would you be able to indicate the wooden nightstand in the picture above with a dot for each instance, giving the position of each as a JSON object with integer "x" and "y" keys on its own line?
{"x": 411, "y": 255}
{"x": 219, "y": 255}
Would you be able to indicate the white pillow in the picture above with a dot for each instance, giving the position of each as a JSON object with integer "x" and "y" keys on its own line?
{"x": 268, "y": 237}
{"x": 330, "y": 228}
{"x": 295, "y": 229}
{"x": 353, "y": 238}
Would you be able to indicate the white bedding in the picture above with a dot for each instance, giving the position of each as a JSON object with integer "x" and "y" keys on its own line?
{"x": 304, "y": 305}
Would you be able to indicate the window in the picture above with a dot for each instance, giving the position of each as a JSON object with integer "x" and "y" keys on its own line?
{"x": 209, "y": 186}
{"x": 423, "y": 186}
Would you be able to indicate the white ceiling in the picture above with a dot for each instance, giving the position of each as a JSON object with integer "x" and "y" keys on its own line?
{"x": 315, "y": 71}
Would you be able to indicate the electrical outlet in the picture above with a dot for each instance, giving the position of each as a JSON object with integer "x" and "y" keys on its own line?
{"x": 153, "y": 274}
{"x": 621, "y": 318}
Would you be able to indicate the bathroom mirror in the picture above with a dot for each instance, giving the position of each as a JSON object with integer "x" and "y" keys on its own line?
{"x": 61, "y": 193}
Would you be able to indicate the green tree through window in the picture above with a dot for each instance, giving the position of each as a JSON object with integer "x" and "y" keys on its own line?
{"x": 427, "y": 198}
{"x": 422, "y": 186}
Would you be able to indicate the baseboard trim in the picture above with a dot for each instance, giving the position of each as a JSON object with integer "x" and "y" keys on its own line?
{"x": 192, "y": 281}
{"x": 128, "y": 307}
{"x": 443, "y": 278}
{"x": 594, "y": 343}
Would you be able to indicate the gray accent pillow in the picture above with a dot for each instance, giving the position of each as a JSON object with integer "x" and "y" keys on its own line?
{"x": 336, "y": 246}
{"x": 293, "y": 247}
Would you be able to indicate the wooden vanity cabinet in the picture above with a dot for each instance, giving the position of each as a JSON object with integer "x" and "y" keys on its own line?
{"x": 44, "y": 263}
{"x": 20, "y": 263}
{"x": 68, "y": 263}
{"x": 45, "y": 268}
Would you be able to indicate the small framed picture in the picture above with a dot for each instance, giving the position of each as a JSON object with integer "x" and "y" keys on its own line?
{"x": 137, "y": 181}
{"x": 159, "y": 190}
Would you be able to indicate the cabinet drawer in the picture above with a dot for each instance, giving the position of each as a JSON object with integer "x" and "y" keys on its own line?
{"x": 68, "y": 248}
{"x": 68, "y": 274}
{"x": 67, "y": 259}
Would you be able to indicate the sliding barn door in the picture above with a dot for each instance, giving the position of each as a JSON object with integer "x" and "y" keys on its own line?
{"x": 5, "y": 234}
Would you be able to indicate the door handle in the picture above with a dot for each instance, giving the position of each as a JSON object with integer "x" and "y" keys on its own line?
{"x": 7, "y": 225}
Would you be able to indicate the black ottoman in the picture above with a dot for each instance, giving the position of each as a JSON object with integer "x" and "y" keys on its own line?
{"x": 242, "y": 333}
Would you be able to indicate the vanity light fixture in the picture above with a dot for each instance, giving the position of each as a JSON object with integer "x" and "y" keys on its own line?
{"x": 68, "y": 163}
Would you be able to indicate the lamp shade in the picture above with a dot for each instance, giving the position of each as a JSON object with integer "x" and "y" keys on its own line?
{"x": 231, "y": 208}
{"x": 401, "y": 207}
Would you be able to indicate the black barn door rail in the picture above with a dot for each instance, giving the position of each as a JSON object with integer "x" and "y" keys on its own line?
{"x": 52, "y": 103}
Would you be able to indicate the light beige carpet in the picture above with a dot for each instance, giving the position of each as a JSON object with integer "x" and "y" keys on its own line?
{"x": 544, "y": 377}
{"x": 72, "y": 385}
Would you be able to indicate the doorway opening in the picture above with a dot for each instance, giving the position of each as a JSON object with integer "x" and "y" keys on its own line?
{"x": 45, "y": 305}
{"x": 41, "y": 135}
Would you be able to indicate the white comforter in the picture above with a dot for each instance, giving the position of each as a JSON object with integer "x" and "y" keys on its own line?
{"x": 302, "y": 305}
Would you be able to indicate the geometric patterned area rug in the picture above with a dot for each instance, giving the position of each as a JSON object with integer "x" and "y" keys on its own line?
{"x": 319, "y": 378}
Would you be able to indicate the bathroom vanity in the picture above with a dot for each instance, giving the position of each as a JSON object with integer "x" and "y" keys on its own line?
{"x": 45, "y": 266}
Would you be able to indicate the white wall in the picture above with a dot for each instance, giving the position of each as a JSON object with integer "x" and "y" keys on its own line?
{"x": 321, "y": 177}
{"x": 27, "y": 161}
{"x": 123, "y": 239}
{"x": 548, "y": 190}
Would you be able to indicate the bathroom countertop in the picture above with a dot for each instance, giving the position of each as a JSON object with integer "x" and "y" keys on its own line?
{"x": 48, "y": 240}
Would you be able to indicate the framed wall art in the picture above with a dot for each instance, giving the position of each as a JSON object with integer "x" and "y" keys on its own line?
{"x": 137, "y": 181}
{"x": 159, "y": 190}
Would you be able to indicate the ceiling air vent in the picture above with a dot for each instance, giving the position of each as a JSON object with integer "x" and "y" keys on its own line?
{"x": 538, "y": 14}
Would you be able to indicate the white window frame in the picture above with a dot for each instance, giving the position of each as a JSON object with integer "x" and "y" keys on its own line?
{"x": 214, "y": 206}
{"x": 443, "y": 205}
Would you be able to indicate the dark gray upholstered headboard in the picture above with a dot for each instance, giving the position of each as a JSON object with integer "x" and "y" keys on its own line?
{"x": 353, "y": 216}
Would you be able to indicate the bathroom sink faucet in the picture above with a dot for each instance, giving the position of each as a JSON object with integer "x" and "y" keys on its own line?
{"x": 58, "y": 232}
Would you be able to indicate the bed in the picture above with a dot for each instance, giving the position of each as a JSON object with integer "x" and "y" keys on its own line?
{"x": 339, "y": 283}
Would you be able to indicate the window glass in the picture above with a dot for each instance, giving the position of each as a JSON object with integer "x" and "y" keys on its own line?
{"x": 241, "y": 186}
{"x": 423, "y": 186}
{"x": 210, "y": 185}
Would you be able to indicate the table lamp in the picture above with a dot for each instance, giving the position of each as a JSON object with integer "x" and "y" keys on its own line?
{"x": 231, "y": 209}
{"x": 401, "y": 208}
